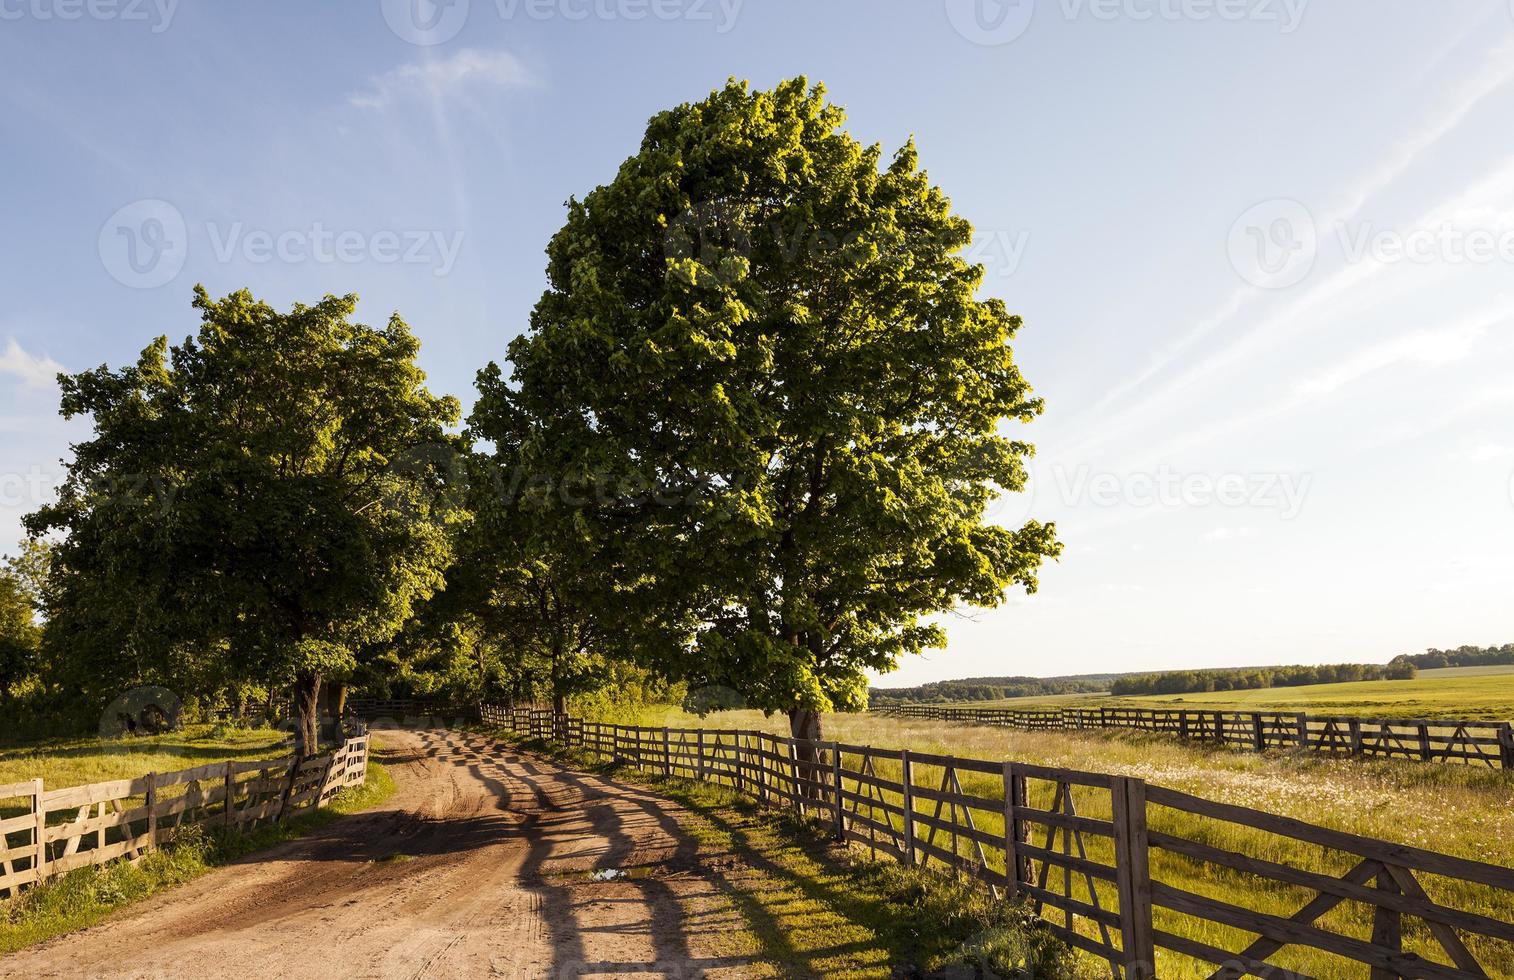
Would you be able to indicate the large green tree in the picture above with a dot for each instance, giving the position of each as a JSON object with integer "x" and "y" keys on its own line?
{"x": 263, "y": 495}
{"x": 761, "y": 365}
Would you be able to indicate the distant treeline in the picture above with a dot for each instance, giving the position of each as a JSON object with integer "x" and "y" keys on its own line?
{"x": 989, "y": 689}
{"x": 1249, "y": 678}
{"x": 1463, "y": 656}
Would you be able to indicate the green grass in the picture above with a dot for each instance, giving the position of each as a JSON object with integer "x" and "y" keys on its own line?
{"x": 1454, "y": 692}
{"x": 1459, "y": 810}
{"x": 84, "y": 897}
{"x": 815, "y": 909}
{"x": 75, "y": 762}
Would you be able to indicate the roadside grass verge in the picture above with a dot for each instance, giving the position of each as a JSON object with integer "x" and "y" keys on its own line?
{"x": 815, "y": 908}
{"x": 84, "y": 897}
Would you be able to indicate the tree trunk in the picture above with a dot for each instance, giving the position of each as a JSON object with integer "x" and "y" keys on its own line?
{"x": 338, "y": 707}
{"x": 307, "y": 712}
{"x": 804, "y": 723}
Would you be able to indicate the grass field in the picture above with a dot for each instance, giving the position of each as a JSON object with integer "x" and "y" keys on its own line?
{"x": 1456, "y": 810}
{"x": 1452, "y": 692}
{"x": 75, "y": 762}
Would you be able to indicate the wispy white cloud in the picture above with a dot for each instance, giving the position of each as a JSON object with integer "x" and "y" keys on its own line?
{"x": 33, "y": 371}
{"x": 432, "y": 79}
{"x": 1450, "y": 112}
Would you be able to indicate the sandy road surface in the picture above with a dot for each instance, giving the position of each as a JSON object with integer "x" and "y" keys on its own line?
{"x": 478, "y": 866}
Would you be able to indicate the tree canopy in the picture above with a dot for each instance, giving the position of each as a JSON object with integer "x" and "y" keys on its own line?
{"x": 761, "y": 365}
{"x": 258, "y": 500}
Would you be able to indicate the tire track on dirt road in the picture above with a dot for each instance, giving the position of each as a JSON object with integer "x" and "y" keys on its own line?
{"x": 478, "y": 866}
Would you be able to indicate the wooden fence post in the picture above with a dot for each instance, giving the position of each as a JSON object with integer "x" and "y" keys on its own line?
{"x": 836, "y": 776}
{"x": 1011, "y": 836}
{"x": 798, "y": 797}
{"x": 39, "y": 832}
{"x": 1133, "y": 877}
{"x": 152, "y": 811}
{"x": 1506, "y": 744}
{"x": 231, "y": 788}
{"x": 667, "y": 757}
{"x": 699, "y": 758}
{"x": 1424, "y": 740}
{"x": 906, "y": 772}
{"x": 1258, "y": 736}
{"x": 1354, "y": 726}
{"x": 1387, "y": 928}
{"x": 1303, "y": 731}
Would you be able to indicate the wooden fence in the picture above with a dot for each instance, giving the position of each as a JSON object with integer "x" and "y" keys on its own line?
{"x": 401, "y": 708}
{"x": 59, "y": 830}
{"x": 1488, "y": 743}
{"x": 1156, "y": 882}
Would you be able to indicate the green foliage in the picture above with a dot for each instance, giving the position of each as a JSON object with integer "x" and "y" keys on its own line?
{"x": 988, "y": 689}
{"x": 253, "y": 503}
{"x": 1251, "y": 678}
{"x": 20, "y": 634}
{"x": 765, "y": 406}
{"x": 1462, "y": 656}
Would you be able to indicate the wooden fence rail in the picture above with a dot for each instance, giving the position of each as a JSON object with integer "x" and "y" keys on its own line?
{"x": 46, "y": 832}
{"x": 401, "y": 708}
{"x": 1133, "y": 873}
{"x": 1489, "y": 743}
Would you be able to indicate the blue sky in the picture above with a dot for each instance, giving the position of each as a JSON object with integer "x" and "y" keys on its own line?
{"x": 1264, "y": 250}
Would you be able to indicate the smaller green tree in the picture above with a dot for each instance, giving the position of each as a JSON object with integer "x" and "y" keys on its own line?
{"x": 21, "y": 581}
{"x": 264, "y": 494}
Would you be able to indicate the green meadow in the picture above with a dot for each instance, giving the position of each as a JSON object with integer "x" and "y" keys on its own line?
{"x": 1450, "y": 692}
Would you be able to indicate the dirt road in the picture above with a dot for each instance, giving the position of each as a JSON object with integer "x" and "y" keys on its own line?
{"x": 478, "y": 866}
